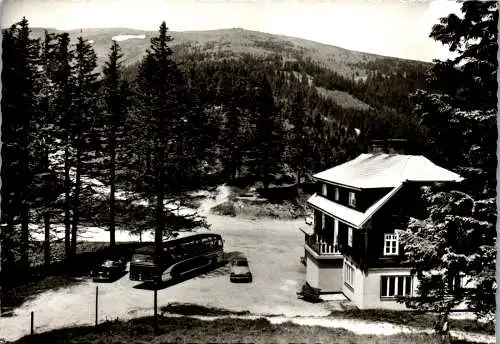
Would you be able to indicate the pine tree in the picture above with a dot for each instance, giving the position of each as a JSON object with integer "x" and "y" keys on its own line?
{"x": 85, "y": 89}
{"x": 234, "y": 134}
{"x": 46, "y": 185}
{"x": 163, "y": 126}
{"x": 301, "y": 136}
{"x": 18, "y": 108}
{"x": 63, "y": 106}
{"x": 459, "y": 237}
{"x": 115, "y": 97}
{"x": 8, "y": 203}
{"x": 267, "y": 135}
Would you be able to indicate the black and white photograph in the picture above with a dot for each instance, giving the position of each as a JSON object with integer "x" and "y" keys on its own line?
{"x": 248, "y": 171}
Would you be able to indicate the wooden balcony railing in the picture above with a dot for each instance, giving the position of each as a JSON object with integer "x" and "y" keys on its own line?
{"x": 321, "y": 247}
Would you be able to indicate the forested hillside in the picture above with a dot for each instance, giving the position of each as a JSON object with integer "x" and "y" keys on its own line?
{"x": 160, "y": 115}
{"x": 109, "y": 133}
{"x": 235, "y": 42}
{"x": 264, "y": 109}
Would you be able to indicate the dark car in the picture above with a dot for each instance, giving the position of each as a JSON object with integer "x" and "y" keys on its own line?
{"x": 110, "y": 269}
{"x": 240, "y": 272}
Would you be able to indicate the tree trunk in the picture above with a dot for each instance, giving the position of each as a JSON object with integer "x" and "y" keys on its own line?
{"x": 46, "y": 244}
{"x": 24, "y": 233}
{"x": 148, "y": 161}
{"x": 160, "y": 225}
{"x": 7, "y": 243}
{"x": 160, "y": 194}
{"x": 76, "y": 199}
{"x": 24, "y": 205}
{"x": 266, "y": 186}
{"x": 112, "y": 181}
{"x": 160, "y": 150}
{"x": 48, "y": 189}
{"x": 67, "y": 200}
{"x": 297, "y": 185}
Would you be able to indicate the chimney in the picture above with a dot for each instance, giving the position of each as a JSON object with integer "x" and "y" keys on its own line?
{"x": 388, "y": 146}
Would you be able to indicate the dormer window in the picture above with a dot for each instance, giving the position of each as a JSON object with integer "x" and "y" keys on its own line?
{"x": 324, "y": 190}
{"x": 337, "y": 194}
{"x": 391, "y": 244}
{"x": 352, "y": 199}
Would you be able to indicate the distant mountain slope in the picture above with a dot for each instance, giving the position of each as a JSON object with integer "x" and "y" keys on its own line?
{"x": 234, "y": 42}
{"x": 343, "y": 99}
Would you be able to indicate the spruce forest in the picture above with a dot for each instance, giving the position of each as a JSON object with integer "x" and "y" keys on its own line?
{"x": 170, "y": 123}
{"x": 184, "y": 119}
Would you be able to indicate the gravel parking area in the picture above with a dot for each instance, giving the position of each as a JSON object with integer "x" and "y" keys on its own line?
{"x": 272, "y": 247}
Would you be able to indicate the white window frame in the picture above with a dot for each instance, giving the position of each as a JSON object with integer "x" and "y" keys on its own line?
{"x": 391, "y": 244}
{"x": 324, "y": 190}
{"x": 349, "y": 236}
{"x": 337, "y": 194}
{"x": 348, "y": 274}
{"x": 352, "y": 199}
{"x": 388, "y": 294}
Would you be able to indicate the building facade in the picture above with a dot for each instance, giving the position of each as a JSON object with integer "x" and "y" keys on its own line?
{"x": 360, "y": 207}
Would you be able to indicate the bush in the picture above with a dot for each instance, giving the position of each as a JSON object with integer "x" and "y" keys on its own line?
{"x": 225, "y": 209}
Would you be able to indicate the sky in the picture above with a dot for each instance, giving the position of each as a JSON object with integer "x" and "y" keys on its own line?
{"x": 398, "y": 28}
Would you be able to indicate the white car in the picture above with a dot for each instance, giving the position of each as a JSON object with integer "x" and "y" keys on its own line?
{"x": 240, "y": 272}
{"x": 309, "y": 220}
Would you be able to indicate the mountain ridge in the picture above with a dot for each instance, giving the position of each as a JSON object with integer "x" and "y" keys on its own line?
{"x": 174, "y": 33}
{"x": 234, "y": 42}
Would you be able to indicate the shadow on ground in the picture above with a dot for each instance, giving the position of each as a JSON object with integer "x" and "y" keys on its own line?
{"x": 112, "y": 279}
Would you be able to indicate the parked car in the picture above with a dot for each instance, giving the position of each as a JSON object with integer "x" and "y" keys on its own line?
{"x": 110, "y": 269}
{"x": 240, "y": 270}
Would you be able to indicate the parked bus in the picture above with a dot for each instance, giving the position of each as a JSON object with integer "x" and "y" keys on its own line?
{"x": 177, "y": 257}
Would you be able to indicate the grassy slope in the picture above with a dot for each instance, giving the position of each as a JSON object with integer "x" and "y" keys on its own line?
{"x": 189, "y": 330}
{"x": 344, "y": 99}
{"x": 414, "y": 319}
{"x": 405, "y": 318}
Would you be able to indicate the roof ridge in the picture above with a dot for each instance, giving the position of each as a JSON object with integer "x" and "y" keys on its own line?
{"x": 381, "y": 170}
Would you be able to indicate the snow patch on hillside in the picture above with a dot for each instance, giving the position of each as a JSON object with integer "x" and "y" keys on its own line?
{"x": 120, "y": 38}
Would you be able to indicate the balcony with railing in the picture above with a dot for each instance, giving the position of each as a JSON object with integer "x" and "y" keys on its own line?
{"x": 321, "y": 247}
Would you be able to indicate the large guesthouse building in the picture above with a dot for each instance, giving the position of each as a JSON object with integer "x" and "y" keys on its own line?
{"x": 359, "y": 207}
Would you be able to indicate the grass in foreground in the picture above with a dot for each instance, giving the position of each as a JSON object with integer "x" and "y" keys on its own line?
{"x": 415, "y": 319}
{"x": 189, "y": 330}
{"x": 192, "y": 309}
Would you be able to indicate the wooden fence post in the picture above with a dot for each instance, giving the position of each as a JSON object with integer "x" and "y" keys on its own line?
{"x": 96, "y": 304}
{"x": 32, "y": 322}
{"x": 156, "y": 310}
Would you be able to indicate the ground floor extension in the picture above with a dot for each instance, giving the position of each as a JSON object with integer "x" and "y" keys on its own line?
{"x": 375, "y": 288}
